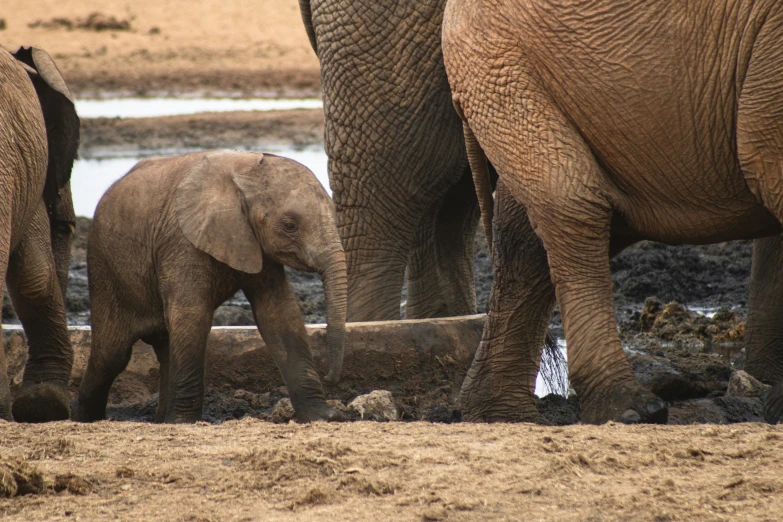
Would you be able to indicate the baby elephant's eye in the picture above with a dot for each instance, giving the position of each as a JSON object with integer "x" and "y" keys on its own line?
{"x": 290, "y": 225}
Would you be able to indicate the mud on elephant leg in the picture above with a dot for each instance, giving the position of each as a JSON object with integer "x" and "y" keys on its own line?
{"x": 440, "y": 267}
{"x": 501, "y": 381}
{"x": 38, "y": 301}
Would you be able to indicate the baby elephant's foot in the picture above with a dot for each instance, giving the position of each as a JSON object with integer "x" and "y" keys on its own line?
{"x": 42, "y": 402}
{"x": 773, "y": 404}
{"x": 628, "y": 403}
{"x": 318, "y": 412}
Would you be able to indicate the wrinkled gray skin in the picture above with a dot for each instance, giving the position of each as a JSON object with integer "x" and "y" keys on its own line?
{"x": 397, "y": 164}
{"x": 176, "y": 237}
{"x": 610, "y": 122}
{"x": 39, "y": 137}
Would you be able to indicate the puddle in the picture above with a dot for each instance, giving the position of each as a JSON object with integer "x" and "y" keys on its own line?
{"x": 153, "y": 107}
{"x": 91, "y": 177}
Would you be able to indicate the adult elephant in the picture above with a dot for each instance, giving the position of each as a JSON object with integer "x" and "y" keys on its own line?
{"x": 39, "y": 137}
{"x": 397, "y": 164}
{"x": 612, "y": 122}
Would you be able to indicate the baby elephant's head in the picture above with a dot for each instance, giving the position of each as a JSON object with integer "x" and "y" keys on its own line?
{"x": 244, "y": 208}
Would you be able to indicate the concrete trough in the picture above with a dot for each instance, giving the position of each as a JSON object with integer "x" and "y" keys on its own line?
{"x": 405, "y": 357}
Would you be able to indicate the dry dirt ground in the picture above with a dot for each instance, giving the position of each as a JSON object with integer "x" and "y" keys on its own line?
{"x": 252, "y": 470}
{"x": 172, "y": 46}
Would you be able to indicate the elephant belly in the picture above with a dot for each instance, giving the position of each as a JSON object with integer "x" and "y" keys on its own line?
{"x": 724, "y": 220}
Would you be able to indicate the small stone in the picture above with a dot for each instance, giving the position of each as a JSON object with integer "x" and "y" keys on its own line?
{"x": 376, "y": 405}
{"x": 283, "y": 411}
{"x": 742, "y": 384}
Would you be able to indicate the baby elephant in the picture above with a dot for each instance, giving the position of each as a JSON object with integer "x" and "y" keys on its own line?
{"x": 176, "y": 237}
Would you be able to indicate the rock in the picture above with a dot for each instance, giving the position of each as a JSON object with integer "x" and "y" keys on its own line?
{"x": 376, "y": 405}
{"x": 282, "y": 412}
{"x": 742, "y": 384}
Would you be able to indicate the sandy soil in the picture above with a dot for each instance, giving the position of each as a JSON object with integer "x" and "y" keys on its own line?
{"x": 251, "y": 470}
{"x": 248, "y": 47}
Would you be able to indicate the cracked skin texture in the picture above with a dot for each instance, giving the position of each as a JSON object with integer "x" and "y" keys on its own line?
{"x": 613, "y": 122}
{"x": 397, "y": 161}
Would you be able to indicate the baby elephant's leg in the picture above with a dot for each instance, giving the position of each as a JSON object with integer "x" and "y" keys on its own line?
{"x": 188, "y": 320}
{"x": 281, "y": 325}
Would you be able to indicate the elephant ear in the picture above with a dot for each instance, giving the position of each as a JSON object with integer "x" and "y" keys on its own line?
{"x": 59, "y": 113}
{"x": 212, "y": 214}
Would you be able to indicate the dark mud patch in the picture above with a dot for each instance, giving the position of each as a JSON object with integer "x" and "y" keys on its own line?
{"x": 251, "y": 130}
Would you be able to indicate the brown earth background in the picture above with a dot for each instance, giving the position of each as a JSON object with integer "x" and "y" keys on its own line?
{"x": 251, "y": 469}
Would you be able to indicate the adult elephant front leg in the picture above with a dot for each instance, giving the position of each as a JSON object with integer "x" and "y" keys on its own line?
{"x": 38, "y": 301}
{"x": 501, "y": 381}
{"x": 764, "y": 334}
{"x": 440, "y": 269}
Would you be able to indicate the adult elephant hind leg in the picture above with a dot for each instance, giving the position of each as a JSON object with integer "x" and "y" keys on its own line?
{"x": 569, "y": 202}
{"x": 500, "y": 384}
{"x": 38, "y": 301}
{"x": 440, "y": 267}
{"x": 760, "y": 150}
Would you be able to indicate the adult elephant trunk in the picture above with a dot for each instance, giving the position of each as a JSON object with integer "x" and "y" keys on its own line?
{"x": 335, "y": 281}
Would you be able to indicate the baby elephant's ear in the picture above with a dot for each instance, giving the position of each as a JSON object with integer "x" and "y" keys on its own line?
{"x": 209, "y": 209}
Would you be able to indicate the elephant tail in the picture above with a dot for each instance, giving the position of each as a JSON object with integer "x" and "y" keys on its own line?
{"x": 481, "y": 179}
{"x": 307, "y": 18}
{"x": 554, "y": 367}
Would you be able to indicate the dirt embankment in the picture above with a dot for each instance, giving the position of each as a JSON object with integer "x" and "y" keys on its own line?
{"x": 245, "y": 47}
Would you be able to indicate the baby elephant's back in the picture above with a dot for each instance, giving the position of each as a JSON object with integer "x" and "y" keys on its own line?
{"x": 130, "y": 217}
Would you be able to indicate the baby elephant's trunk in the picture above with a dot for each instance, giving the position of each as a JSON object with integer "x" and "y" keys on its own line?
{"x": 335, "y": 280}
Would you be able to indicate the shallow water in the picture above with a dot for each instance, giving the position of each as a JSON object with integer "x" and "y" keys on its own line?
{"x": 152, "y": 107}
{"x": 92, "y": 176}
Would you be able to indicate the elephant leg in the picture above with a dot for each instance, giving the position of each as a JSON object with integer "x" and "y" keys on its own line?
{"x": 501, "y": 381}
{"x": 160, "y": 344}
{"x": 440, "y": 267}
{"x": 5, "y": 390}
{"x": 375, "y": 263}
{"x": 38, "y": 301}
{"x": 760, "y": 151}
{"x": 110, "y": 352}
{"x": 188, "y": 321}
{"x": 764, "y": 332}
{"x": 554, "y": 174}
{"x": 280, "y": 324}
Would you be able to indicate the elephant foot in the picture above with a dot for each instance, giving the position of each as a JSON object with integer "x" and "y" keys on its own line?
{"x": 42, "y": 402}
{"x": 476, "y": 408}
{"x": 627, "y": 403}
{"x": 320, "y": 412}
{"x": 773, "y": 404}
{"x": 84, "y": 413}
